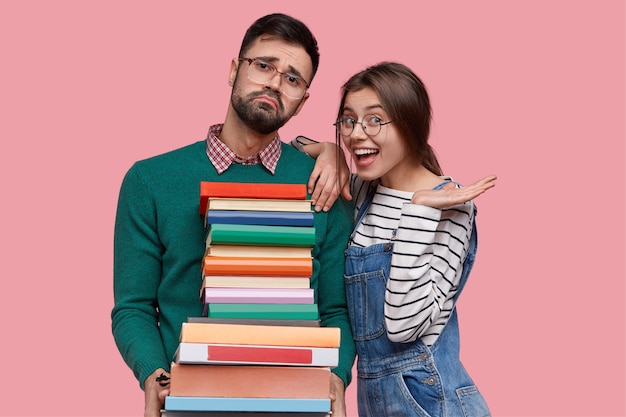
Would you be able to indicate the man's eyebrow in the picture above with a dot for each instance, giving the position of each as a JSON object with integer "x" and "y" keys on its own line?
{"x": 272, "y": 60}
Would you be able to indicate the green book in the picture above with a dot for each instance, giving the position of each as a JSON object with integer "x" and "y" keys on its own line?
{"x": 260, "y": 235}
{"x": 263, "y": 311}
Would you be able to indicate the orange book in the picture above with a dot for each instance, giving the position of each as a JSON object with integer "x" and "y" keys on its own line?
{"x": 242, "y": 265}
{"x": 249, "y": 190}
{"x": 247, "y": 334}
{"x": 249, "y": 381}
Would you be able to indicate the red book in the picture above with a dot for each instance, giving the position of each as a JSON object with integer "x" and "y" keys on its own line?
{"x": 249, "y": 190}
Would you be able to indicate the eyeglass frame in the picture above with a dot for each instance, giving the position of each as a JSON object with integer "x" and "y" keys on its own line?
{"x": 338, "y": 124}
{"x": 283, "y": 74}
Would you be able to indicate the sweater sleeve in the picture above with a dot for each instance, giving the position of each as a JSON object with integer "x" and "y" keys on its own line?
{"x": 137, "y": 272}
{"x": 331, "y": 290}
{"x": 427, "y": 261}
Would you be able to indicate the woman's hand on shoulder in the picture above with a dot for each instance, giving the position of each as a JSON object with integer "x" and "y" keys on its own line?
{"x": 330, "y": 176}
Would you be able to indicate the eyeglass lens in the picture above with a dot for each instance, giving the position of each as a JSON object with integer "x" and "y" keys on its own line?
{"x": 370, "y": 124}
{"x": 261, "y": 72}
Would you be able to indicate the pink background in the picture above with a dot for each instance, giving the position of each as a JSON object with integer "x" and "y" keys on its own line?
{"x": 530, "y": 90}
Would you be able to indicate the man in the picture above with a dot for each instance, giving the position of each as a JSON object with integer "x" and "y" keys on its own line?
{"x": 159, "y": 235}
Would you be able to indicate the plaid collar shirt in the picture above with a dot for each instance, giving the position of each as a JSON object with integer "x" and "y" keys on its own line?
{"x": 221, "y": 156}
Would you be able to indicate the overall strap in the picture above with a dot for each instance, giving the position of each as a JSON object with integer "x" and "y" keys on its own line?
{"x": 363, "y": 209}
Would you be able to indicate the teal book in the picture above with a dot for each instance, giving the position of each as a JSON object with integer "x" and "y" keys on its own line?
{"x": 267, "y": 218}
{"x": 225, "y": 404}
{"x": 262, "y": 311}
{"x": 260, "y": 235}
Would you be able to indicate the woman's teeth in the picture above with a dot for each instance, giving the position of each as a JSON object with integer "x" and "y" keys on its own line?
{"x": 361, "y": 152}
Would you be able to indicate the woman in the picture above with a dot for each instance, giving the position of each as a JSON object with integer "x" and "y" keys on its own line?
{"x": 410, "y": 253}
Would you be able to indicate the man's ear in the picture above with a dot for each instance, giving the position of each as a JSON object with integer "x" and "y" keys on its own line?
{"x": 234, "y": 66}
{"x": 302, "y": 101}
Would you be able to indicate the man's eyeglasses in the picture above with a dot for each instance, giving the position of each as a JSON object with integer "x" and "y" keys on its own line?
{"x": 261, "y": 72}
{"x": 371, "y": 125}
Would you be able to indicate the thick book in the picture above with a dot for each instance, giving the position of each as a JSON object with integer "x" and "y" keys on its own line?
{"x": 251, "y": 381}
{"x": 263, "y": 311}
{"x": 248, "y": 334}
{"x": 260, "y": 235}
{"x": 258, "y": 295}
{"x": 252, "y": 281}
{"x": 239, "y": 265}
{"x": 258, "y": 251}
{"x": 219, "y": 354}
{"x": 276, "y": 405}
{"x": 258, "y": 322}
{"x": 257, "y": 204}
{"x": 250, "y": 190}
{"x": 269, "y": 218}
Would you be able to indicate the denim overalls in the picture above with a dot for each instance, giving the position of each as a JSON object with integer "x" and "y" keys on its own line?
{"x": 403, "y": 379}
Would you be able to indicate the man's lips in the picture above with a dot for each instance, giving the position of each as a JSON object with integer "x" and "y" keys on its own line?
{"x": 267, "y": 99}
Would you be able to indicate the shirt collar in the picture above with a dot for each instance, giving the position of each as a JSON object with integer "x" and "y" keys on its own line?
{"x": 221, "y": 156}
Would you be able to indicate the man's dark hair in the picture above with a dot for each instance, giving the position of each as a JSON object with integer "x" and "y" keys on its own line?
{"x": 287, "y": 28}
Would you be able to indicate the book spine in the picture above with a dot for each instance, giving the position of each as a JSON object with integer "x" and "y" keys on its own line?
{"x": 258, "y": 322}
{"x": 249, "y": 190}
{"x": 260, "y": 334}
{"x": 238, "y": 234}
{"x": 258, "y": 251}
{"x": 202, "y": 353}
{"x": 234, "y": 381}
{"x": 241, "y": 281}
{"x": 258, "y": 204}
{"x": 231, "y": 265}
{"x": 267, "y": 218}
{"x": 171, "y": 413}
{"x": 276, "y": 405}
{"x": 263, "y": 311}
{"x": 258, "y": 295}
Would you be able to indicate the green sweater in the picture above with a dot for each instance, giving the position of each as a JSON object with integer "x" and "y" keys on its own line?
{"x": 159, "y": 245}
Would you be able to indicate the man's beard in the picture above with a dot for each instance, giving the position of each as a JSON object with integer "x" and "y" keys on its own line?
{"x": 259, "y": 116}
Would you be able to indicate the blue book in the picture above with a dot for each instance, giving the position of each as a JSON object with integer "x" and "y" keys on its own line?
{"x": 269, "y": 218}
{"x": 275, "y": 405}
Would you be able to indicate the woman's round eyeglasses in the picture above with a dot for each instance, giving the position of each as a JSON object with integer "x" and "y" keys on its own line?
{"x": 371, "y": 125}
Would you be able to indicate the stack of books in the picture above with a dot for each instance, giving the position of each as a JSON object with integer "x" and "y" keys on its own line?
{"x": 258, "y": 350}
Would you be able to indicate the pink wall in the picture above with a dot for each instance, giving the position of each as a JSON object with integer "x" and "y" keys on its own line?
{"x": 530, "y": 90}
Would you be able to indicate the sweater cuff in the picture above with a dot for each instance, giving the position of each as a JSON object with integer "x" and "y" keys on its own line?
{"x": 344, "y": 374}
{"x": 299, "y": 142}
{"x": 149, "y": 368}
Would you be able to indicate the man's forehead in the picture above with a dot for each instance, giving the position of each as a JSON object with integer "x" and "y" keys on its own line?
{"x": 276, "y": 49}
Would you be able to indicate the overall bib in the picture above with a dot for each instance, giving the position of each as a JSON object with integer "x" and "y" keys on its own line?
{"x": 403, "y": 379}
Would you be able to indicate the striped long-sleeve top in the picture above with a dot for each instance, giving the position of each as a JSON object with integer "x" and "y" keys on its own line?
{"x": 429, "y": 248}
